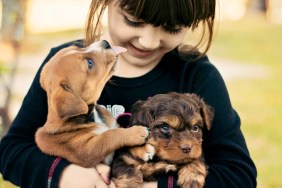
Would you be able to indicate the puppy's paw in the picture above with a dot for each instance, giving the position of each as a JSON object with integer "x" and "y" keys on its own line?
{"x": 137, "y": 135}
{"x": 171, "y": 168}
{"x": 192, "y": 175}
{"x": 145, "y": 152}
{"x": 191, "y": 183}
{"x": 150, "y": 152}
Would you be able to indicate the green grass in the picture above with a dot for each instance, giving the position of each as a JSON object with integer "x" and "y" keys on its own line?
{"x": 251, "y": 41}
{"x": 259, "y": 105}
{"x": 5, "y": 184}
{"x": 258, "y": 100}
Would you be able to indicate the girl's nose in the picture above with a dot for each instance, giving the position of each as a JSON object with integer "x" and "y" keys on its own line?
{"x": 150, "y": 38}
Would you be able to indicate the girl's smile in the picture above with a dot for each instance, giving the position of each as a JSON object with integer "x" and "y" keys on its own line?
{"x": 137, "y": 52}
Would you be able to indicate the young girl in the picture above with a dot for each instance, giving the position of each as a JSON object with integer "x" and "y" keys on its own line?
{"x": 156, "y": 62}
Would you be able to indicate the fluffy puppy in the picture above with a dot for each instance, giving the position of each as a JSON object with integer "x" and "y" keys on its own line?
{"x": 176, "y": 122}
{"x": 78, "y": 129}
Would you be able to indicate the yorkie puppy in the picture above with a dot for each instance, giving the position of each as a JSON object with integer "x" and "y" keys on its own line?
{"x": 176, "y": 122}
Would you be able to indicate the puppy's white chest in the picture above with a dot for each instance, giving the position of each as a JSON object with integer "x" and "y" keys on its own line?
{"x": 101, "y": 125}
{"x": 101, "y": 128}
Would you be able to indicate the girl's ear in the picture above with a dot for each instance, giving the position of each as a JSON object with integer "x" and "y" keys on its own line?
{"x": 66, "y": 104}
{"x": 141, "y": 114}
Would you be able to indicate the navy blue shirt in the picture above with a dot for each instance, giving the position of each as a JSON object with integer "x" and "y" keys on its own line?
{"x": 224, "y": 147}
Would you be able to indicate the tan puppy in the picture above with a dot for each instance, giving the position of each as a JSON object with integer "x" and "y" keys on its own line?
{"x": 176, "y": 122}
{"x": 73, "y": 80}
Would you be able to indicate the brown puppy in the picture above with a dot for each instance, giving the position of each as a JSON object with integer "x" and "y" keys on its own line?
{"x": 73, "y": 80}
{"x": 176, "y": 122}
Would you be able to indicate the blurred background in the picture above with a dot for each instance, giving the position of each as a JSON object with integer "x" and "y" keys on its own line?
{"x": 247, "y": 50}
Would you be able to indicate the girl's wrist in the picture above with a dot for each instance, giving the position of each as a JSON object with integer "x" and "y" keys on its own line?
{"x": 167, "y": 181}
{"x": 55, "y": 172}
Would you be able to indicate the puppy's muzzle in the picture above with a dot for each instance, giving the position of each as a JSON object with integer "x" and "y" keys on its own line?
{"x": 186, "y": 148}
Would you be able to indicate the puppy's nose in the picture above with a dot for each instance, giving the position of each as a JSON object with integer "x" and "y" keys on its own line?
{"x": 186, "y": 148}
{"x": 105, "y": 44}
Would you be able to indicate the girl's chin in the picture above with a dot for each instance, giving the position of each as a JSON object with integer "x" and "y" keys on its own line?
{"x": 140, "y": 62}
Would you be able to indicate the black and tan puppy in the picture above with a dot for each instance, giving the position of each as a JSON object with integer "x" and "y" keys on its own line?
{"x": 78, "y": 129}
{"x": 176, "y": 122}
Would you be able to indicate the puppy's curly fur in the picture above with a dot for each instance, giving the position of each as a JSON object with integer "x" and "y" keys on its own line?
{"x": 176, "y": 122}
{"x": 73, "y": 80}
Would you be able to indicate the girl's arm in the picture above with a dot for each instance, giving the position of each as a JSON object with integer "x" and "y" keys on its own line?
{"x": 224, "y": 146}
{"x": 21, "y": 162}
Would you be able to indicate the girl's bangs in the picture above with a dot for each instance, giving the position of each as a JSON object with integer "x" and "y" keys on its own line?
{"x": 171, "y": 13}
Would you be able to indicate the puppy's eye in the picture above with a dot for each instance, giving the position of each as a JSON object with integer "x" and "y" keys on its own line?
{"x": 165, "y": 131}
{"x": 165, "y": 128}
{"x": 195, "y": 128}
{"x": 90, "y": 63}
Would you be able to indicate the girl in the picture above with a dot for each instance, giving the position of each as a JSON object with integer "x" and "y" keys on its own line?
{"x": 156, "y": 61}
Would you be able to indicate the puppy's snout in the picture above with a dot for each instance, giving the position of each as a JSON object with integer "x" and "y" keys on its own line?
{"x": 105, "y": 44}
{"x": 186, "y": 148}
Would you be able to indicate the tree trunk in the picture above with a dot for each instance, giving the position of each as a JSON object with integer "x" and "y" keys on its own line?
{"x": 12, "y": 31}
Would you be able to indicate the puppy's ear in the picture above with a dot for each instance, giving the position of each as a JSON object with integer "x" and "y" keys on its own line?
{"x": 141, "y": 114}
{"x": 66, "y": 103}
{"x": 207, "y": 113}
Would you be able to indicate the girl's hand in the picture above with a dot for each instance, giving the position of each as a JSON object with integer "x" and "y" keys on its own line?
{"x": 150, "y": 184}
{"x": 75, "y": 176}
{"x": 104, "y": 171}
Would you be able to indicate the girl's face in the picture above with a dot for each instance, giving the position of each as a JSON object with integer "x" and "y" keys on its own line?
{"x": 145, "y": 44}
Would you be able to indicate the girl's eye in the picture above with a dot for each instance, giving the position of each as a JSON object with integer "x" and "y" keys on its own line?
{"x": 132, "y": 23}
{"x": 195, "y": 128}
{"x": 90, "y": 63}
{"x": 172, "y": 30}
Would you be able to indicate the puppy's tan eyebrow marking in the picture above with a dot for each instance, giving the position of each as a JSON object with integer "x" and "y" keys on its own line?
{"x": 172, "y": 120}
{"x": 196, "y": 119}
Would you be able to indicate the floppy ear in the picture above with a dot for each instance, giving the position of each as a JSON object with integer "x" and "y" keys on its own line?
{"x": 141, "y": 114}
{"x": 207, "y": 113}
{"x": 66, "y": 104}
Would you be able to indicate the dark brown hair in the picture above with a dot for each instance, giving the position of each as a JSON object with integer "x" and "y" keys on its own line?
{"x": 187, "y": 13}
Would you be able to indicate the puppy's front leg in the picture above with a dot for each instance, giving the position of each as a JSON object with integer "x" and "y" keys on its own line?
{"x": 192, "y": 175}
{"x": 150, "y": 170}
{"x": 99, "y": 146}
{"x": 87, "y": 149}
{"x": 145, "y": 152}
